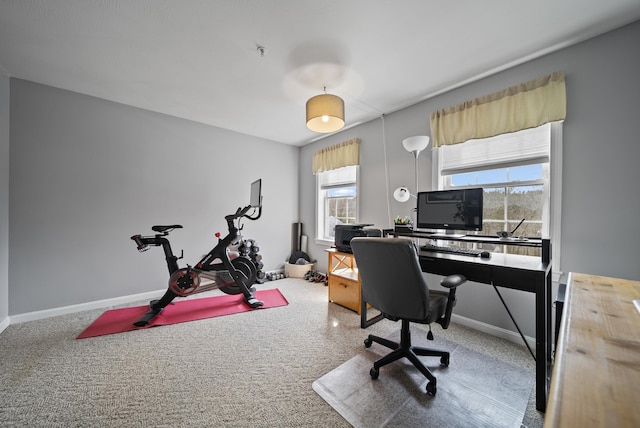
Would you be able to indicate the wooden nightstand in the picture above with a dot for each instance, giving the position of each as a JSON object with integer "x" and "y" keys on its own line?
{"x": 344, "y": 281}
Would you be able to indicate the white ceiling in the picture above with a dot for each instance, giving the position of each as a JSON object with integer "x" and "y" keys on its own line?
{"x": 198, "y": 59}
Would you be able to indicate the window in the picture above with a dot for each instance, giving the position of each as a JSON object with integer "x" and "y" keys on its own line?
{"x": 511, "y": 194}
{"x": 337, "y": 201}
{"x": 519, "y": 173}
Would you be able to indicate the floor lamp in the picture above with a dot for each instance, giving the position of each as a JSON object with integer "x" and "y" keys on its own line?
{"x": 414, "y": 145}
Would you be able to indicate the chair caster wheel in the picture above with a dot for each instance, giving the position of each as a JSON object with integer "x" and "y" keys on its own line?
{"x": 374, "y": 373}
{"x": 368, "y": 342}
{"x": 431, "y": 388}
{"x": 444, "y": 361}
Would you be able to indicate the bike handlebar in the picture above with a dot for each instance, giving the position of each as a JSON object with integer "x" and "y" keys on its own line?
{"x": 242, "y": 212}
{"x": 142, "y": 247}
{"x": 143, "y": 242}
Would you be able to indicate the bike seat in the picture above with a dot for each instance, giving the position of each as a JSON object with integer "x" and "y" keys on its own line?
{"x": 161, "y": 229}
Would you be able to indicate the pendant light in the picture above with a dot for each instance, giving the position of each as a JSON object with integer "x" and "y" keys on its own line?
{"x": 325, "y": 113}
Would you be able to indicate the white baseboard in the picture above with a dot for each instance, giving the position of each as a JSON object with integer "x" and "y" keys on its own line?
{"x": 97, "y": 304}
{"x": 100, "y": 304}
{"x": 4, "y": 324}
{"x": 494, "y": 331}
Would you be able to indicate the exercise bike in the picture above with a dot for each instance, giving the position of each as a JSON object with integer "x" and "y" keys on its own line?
{"x": 224, "y": 266}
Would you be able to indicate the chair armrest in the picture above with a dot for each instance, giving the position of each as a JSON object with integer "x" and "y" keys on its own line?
{"x": 451, "y": 282}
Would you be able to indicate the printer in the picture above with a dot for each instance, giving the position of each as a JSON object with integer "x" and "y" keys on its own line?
{"x": 345, "y": 232}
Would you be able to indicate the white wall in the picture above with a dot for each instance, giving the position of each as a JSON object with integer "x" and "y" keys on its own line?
{"x": 87, "y": 174}
{"x": 4, "y": 200}
{"x": 600, "y": 204}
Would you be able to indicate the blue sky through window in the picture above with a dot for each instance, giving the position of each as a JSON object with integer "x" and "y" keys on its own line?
{"x": 500, "y": 175}
{"x": 341, "y": 192}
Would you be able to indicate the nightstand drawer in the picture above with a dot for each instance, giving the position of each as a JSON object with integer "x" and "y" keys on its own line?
{"x": 344, "y": 292}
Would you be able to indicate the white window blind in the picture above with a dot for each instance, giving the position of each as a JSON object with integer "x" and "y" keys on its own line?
{"x": 520, "y": 148}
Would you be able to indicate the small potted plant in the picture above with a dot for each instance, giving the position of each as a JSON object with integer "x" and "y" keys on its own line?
{"x": 403, "y": 224}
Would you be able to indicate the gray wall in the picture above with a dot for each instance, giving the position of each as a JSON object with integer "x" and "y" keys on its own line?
{"x": 600, "y": 204}
{"x": 86, "y": 174}
{"x": 4, "y": 198}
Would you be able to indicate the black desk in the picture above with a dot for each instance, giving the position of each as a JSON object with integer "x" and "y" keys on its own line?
{"x": 526, "y": 273}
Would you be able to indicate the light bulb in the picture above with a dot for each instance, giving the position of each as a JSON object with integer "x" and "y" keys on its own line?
{"x": 325, "y": 118}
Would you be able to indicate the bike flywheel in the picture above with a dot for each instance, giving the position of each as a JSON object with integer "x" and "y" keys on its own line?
{"x": 184, "y": 282}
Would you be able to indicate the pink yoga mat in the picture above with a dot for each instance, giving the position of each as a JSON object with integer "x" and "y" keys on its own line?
{"x": 121, "y": 320}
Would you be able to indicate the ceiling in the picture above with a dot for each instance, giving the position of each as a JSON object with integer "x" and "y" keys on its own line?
{"x": 200, "y": 59}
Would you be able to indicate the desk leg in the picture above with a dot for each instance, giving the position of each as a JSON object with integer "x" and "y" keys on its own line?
{"x": 543, "y": 341}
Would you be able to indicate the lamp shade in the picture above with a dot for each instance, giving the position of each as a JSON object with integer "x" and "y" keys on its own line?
{"x": 416, "y": 144}
{"x": 401, "y": 194}
{"x": 325, "y": 113}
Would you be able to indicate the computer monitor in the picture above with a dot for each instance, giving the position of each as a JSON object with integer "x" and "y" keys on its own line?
{"x": 450, "y": 209}
{"x": 256, "y": 193}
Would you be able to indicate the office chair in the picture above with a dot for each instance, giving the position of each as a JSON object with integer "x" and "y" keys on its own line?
{"x": 393, "y": 282}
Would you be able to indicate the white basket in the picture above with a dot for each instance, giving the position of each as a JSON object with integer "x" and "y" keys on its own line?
{"x": 296, "y": 271}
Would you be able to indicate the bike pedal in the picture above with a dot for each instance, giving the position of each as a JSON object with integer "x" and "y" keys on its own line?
{"x": 254, "y": 303}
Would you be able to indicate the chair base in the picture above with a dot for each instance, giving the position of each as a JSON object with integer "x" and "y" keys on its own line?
{"x": 404, "y": 349}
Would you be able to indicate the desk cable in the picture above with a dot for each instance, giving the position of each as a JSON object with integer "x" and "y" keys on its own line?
{"x": 514, "y": 321}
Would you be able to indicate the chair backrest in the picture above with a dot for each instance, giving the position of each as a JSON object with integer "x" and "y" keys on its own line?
{"x": 391, "y": 278}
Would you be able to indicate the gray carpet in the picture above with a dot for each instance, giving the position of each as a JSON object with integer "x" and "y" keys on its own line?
{"x": 250, "y": 369}
{"x": 476, "y": 390}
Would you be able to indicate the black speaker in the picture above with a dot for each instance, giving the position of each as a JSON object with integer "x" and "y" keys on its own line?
{"x": 546, "y": 250}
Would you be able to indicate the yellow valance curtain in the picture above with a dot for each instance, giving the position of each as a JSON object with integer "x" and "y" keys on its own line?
{"x": 524, "y": 106}
{"x": 344, "y": 154}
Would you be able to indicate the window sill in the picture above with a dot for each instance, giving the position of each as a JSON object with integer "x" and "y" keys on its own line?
{"x": 325, "y": 242}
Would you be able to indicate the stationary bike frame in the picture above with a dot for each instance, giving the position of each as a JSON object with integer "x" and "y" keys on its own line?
{"x": 227, "y": 270}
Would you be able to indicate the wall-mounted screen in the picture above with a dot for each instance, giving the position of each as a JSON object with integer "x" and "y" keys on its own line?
{"x": 256, "y": 193}
{"x": 450, "y": 209}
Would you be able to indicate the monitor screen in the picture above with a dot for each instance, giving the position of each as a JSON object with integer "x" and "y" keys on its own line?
{"x": 450, "y": 209}
{"x": 256, "y": 193}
